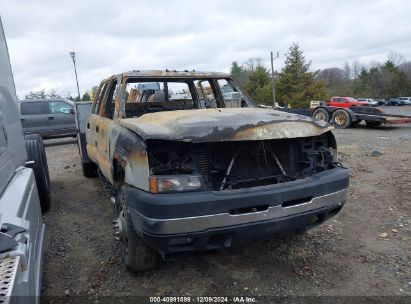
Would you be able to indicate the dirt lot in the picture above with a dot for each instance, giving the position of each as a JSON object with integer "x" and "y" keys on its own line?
{"x": 365, "y": 250}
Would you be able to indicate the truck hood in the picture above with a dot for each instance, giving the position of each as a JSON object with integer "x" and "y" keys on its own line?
{"x": 224, "y": 124}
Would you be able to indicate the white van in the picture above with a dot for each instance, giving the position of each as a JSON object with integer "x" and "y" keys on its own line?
{"x": 406, "y": 100}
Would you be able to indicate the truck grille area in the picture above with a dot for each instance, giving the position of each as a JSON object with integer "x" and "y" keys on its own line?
{"x": 243, "y": 164}
{"x": 256, "y": 164}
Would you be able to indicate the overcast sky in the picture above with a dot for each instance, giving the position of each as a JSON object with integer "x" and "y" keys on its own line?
{"x": 110, "y": 37}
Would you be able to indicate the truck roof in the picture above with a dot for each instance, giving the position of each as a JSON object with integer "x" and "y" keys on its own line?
{"x": 46, "y": 99}
{"x": 172, "y": 74}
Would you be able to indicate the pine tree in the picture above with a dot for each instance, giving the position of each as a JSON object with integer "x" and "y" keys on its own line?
{"x": 92, "y": 92}
{"x": 238, "y": 73}
{"x": 259, "y": 86}
{"x": 296, "y": 85}
{"x": 86, "y": 97}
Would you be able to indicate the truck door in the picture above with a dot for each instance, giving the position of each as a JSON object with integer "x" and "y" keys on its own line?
{"x": 33, "y": 116}
{"x": 91, "y": 124}
{"x": 60, "y": 118}
{"x": 104, "y": 127}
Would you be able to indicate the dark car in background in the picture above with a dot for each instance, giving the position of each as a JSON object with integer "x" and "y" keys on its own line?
{"x": 48, "y": 117}
{"x": 394, "y": 102}
{"x": 371, "y": 102}
{"x": 380, "y": 101}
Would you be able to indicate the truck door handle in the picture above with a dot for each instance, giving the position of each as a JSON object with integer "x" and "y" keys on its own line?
{"x": 97, "y": 129}
{"x": 51, "y": 118}
{"x": 22, "y": 119}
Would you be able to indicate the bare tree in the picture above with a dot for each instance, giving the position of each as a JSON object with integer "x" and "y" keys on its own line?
{"x": 406, "y": 68}
{"x": 332, "y": 76}
{"x": 356, "y": 68}
{"x": 347, "y": 71}
{"x": 252, "y": 63}
{"x": 396, "y": 58}
{"x": 52, "y": 93}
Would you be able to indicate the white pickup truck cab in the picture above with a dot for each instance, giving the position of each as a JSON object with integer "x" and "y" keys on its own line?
{"x": 24, "y": 192}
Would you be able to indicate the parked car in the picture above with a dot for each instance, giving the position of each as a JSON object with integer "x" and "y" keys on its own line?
{"x": 394, "y": 102}
{"x": 24, "y": 193}
{"x": 371, "y": 102}
{"x": 405, "y": 100}
{"x": 381, "y": 102}
{"x": 206, "y": 170}
{"x": 345, "y": 102}
{"x": 48, "y": 117}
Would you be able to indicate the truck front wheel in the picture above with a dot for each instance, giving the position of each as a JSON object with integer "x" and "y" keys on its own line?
{"x": 341, "y": 119}
{"x": 135, "y": 253}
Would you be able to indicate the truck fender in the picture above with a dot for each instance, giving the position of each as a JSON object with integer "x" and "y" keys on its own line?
{"x": 130, "y": 162}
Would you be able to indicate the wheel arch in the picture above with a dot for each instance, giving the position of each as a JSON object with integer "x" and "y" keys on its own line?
{"x": 129, "y": 161}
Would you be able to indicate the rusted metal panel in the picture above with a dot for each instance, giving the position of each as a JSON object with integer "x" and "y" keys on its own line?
{"x": 130, "y": 152}
{"x": 224, "y": 124}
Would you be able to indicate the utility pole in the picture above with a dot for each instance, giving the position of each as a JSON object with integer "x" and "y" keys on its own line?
{"x": 73, "y": 56}
{"x": 272, "y": 77}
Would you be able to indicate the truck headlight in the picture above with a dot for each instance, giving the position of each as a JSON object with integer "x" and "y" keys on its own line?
{"x": 175, "y": 183}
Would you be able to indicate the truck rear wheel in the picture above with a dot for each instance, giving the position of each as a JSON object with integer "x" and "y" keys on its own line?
{"x": 36, "y": 153}
{"x": 35, "y": 136}
{"x": 321, "y": 114}
{"x": 341, "y": 119}
{"x": 136, "y": 255}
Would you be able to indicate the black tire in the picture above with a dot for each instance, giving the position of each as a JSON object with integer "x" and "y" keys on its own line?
{"x": 89, "y": 169}
{"x": 37, "y": 137}
{"x": 36, "y": 153}
{"x": 136, "y": 255}
{"x": 341, "y": 119}
{"x": 321, "y": 114}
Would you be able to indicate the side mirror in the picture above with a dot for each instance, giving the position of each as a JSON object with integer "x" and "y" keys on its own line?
{"x": 72, "y": 111}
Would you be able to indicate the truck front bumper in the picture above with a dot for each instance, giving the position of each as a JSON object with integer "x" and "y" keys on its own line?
{"x": 179, "y": 222}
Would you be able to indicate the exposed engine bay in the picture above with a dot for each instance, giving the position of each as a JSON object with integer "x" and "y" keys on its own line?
{"x": 242, "y": 164}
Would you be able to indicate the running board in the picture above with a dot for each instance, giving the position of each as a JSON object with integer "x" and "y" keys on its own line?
{"x": 8, "y": 277}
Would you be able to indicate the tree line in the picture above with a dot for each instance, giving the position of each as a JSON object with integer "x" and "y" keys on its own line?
{"x": 296, "y": 84}
{"x": 52, "y": 93}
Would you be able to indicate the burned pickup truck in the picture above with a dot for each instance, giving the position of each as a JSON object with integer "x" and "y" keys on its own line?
{"x": 191, "y": 163}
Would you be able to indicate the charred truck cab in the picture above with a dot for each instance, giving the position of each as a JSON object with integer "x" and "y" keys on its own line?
{"x": 191, "y": 163}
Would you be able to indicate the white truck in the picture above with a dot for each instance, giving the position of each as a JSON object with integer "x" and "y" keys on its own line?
{"x": 24, "y": 194}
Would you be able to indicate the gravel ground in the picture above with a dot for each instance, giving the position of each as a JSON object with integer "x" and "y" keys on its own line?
{"x": 363, "y": 251}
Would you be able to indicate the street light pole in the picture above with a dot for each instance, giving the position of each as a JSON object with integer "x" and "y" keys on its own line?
{"x": 272, "y": 78}
{"x": 73, "y": 56}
